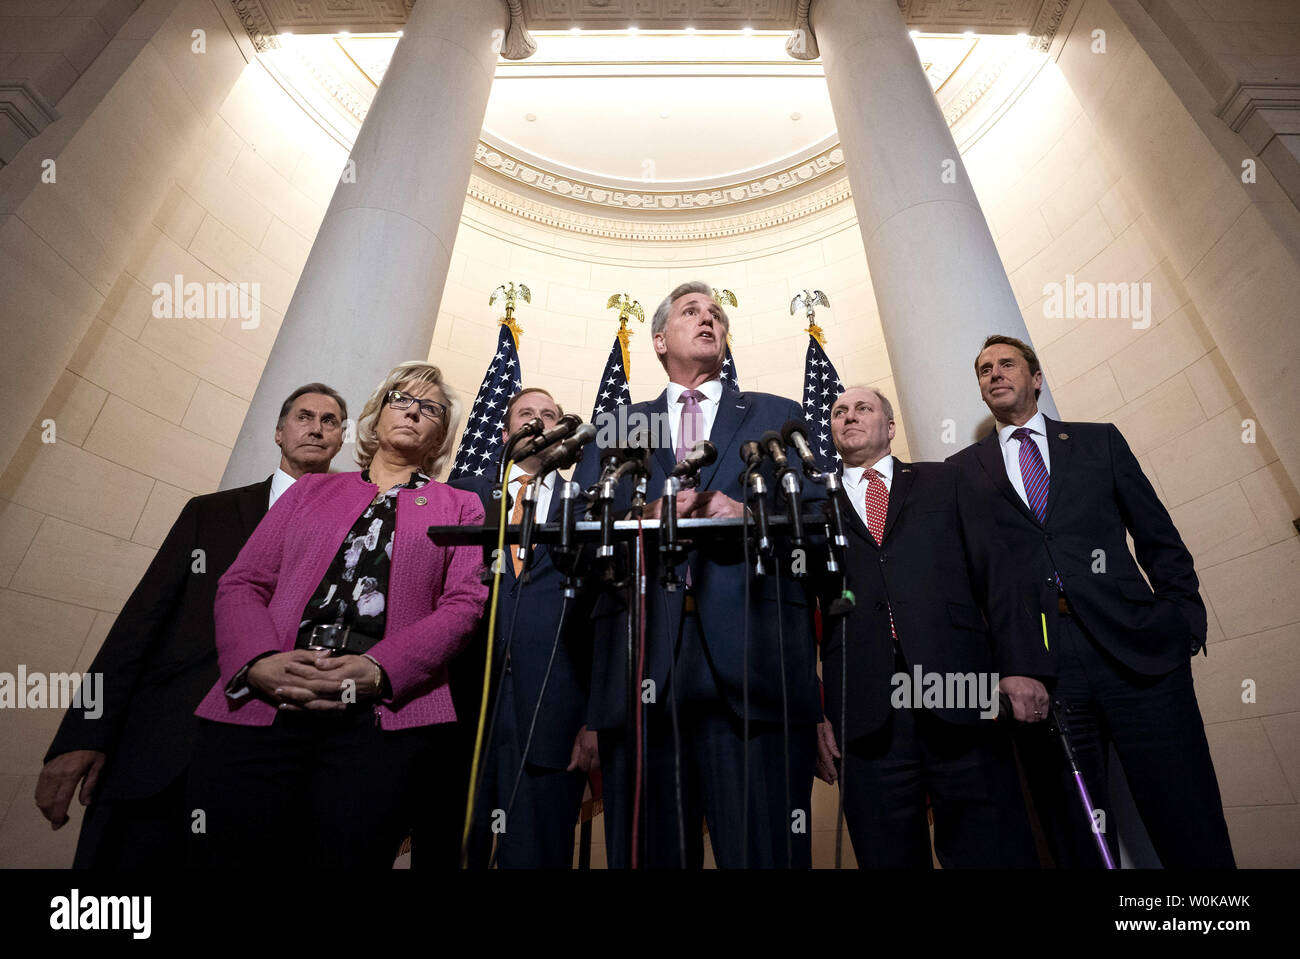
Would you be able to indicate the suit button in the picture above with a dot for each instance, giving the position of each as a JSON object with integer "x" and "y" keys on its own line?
{"x": 1049, "y": 581}
{"x": 881, "y": 606}
{"x": 882, "y": 557}
{"x": 1047, "y": 537}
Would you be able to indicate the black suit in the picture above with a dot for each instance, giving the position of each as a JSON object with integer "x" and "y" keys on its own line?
{"x": 936, "y": 572}
{"x": 158, "y": 662}
{"x": 1118, "y": 656}
{"x": 539, "y": 830}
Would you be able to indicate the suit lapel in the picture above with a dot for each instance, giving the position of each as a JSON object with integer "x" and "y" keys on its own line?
{"x": 900, "y": 487}
{"x": 253, "y": 505}
{"x": 989, "y": 453}
{"x": 1059, "y": 448}
{"x": 732, "y": 410}
{"x": 665, "y": 455}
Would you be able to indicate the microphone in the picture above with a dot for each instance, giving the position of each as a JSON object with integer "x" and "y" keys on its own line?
{"x": 793, "y": 434}
{"x": 702, "y": 454}
{"x": 756, "y": 496}
{"x": 566, "y": 452}
{"x": 530, "y": 428}
{"x": 774, "y": 447}
{"x": 563, "y": 427}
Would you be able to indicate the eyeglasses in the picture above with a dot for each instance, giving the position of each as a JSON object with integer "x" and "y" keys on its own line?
{"x": 401, "y": 401}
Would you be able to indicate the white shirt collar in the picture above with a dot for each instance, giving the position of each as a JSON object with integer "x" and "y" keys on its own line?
{"x": 516, "y": 471}
{"x": 712, "y": 390}
{"x": 1035, "y": 424}
{"x": 280, "y": 481}
{"x": 884, "y": 466}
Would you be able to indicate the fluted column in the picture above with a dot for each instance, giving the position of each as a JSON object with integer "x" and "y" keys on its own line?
{"x": 939, "y": 282}
{"x": 368, "y": 296}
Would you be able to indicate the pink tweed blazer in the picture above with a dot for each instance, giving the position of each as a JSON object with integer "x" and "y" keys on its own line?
{"x": 435, "y": 597}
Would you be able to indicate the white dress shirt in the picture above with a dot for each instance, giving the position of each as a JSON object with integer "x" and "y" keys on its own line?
{"x": 280, "y": 481}
{"x": 1037, "y": 426}
{"x": 856, "y": 480}
{"x": 544, "y": 491}
{"x": 712, "y": 391}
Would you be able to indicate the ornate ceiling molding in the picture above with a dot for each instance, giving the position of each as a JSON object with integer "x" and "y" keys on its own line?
{"x": 590, "y": 224}
{"x": 825, "y": 163}
{"x": 263, "y": 19}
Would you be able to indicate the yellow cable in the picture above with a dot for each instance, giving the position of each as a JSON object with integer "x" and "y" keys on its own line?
{"x": 487, "y": 665}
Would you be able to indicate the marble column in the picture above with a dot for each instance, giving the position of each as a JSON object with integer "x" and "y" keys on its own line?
{"x": 939, "y": 282}
{"x": 368, "y": 296}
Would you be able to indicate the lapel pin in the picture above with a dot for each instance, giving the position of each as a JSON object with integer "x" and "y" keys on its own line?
{"x": 1063, "y": 436}
{"x": 421, "y": 500}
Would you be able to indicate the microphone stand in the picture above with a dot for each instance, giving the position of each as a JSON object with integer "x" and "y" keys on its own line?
{"x": 670, "y": 551}
{"x": 756, "y": 498}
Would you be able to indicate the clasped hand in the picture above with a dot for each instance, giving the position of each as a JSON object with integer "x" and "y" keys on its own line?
{"x": 313, "y": 679}
{"x": 699, "y": 504}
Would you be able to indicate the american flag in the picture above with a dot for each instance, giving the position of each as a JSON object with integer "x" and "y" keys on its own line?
{"x": 729, "y": 375}
{"x": 480, "y": 444}
{"x": 821, "y": 386}
{"x": 613, "y": 390}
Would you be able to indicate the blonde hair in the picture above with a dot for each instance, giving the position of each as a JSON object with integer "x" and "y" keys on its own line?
{"x": 410, "y": 373}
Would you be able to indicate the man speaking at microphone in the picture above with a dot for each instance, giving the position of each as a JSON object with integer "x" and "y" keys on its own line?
{"x": 702, "y": 678}
{"x": 537, "y": 832}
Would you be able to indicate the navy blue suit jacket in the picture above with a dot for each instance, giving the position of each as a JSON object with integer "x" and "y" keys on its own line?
{"x": 1097, "y": 494}
{"x": 937, "y": 568}
{"x": 565, "y": 702}
{"x": 718, "y": 576}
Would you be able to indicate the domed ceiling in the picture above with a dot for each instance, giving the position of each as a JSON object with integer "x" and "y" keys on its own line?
{"x": 650, "y": 126}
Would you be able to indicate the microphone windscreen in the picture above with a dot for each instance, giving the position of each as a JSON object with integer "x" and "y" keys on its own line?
{"x": 706, "y": 451}
{"x": 790, "y": 428}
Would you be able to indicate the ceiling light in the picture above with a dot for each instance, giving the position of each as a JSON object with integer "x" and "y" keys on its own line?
{"x": 634, "y": 30}
{"x": 399, "y": 33}
{"x": 530, "y": 117}
{"x": 690, "y": 29}
{"x": 748, "y": 31}
{"x": 796, "y": 116}
{"x": 575, "y": 30}
{"x": 345, "y": 33}
{"x": 969, "y": 34}
{"x": 284, "y": 35}
{"x": 913, "y": 33}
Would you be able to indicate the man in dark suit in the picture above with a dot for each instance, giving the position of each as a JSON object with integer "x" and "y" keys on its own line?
{"x": 160, "y": 658}
{"x": 915, "y": 663}
{"x": 701, "y": 676}
{"x": 1114, "y": 652}
{"x": 536, "y": 831}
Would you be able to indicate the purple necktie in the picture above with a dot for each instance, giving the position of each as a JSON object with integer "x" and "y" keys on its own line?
{"x": 1033, "y": 473}
{"x": 691, "y": 428}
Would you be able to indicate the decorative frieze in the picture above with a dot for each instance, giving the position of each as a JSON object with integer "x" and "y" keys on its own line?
{"x": 660, "y": 230}
{"x": 624, "y": 199}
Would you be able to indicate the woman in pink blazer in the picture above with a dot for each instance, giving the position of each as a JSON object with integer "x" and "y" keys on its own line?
{"x": 335, "y": 627}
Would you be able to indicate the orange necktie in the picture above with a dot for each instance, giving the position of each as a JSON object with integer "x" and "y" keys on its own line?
{"x": 517, "y": 517}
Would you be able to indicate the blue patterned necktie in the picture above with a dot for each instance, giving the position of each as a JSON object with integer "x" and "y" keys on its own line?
{"x": 1033, "y": 473}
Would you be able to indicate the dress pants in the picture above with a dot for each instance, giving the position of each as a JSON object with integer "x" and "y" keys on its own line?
{"x": 711, "y": 760}
{"x": 311, "y": 791}
{"x": 1156, "y": 726}
{"x": 970, "y": 776}
{"x": 132, "y": 834}
{"x": 536, "y": 830}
